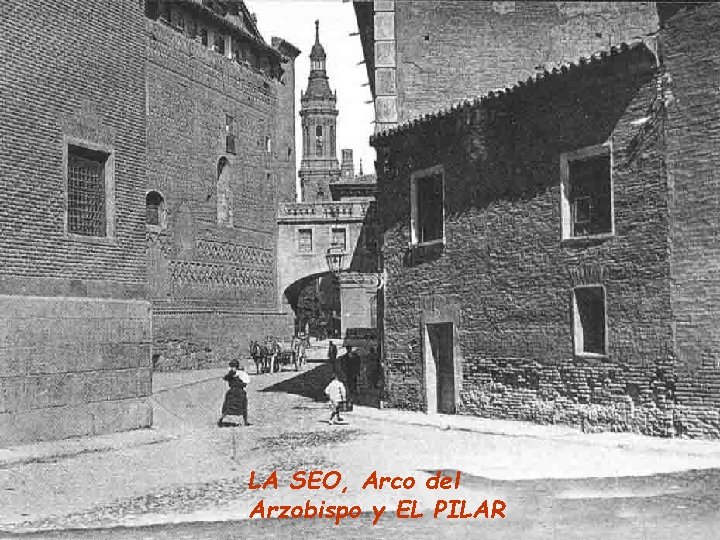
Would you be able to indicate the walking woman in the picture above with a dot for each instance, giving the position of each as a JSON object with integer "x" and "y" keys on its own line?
{"x": 235, "y": 403}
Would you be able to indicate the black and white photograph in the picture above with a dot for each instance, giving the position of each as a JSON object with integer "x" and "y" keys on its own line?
{"x": 359, "y": 269}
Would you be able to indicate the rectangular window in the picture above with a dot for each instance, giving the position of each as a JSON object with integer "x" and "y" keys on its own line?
{"x": 305, "y": 240}
{"x": 229, "y": 134}
{"x": 587, "y": 205}
{"x": 428, "y": 206}
{"x": 204, "y": 36}
{"x": 219, "y": 43}
{"x": 87, "y": 208}
{"x": 318, "y": 131}
{"x": 589, "y": 320}
{"x": 338, "y": 239}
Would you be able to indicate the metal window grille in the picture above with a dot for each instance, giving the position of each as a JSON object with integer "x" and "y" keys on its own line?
{"x": 86, "y": 195}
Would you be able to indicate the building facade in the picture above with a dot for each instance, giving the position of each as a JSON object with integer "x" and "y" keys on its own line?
{"x": 332, "y": 215}
{"x": 221, "y": 155}
{"x": 550, "y": 249}
{"x": 75, "y": 322}
{"x": 420, "y": 58}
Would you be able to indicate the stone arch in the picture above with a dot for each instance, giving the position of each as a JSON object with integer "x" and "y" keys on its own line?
{"x": 224, "y": 194}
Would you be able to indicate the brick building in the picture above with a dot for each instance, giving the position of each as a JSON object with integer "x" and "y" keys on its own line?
{"x": 421, "y": 57}
{"x": 551, "y": 249}
{"x": 75, "y": 323}
{"x": 221, "y": 154}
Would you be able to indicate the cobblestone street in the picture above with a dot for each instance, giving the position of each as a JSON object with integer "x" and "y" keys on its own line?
{"x": 193, "y": 482}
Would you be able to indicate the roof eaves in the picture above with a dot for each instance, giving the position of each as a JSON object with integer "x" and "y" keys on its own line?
{"x": 494, "y": 95}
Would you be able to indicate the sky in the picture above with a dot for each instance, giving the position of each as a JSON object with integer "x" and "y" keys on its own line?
{"x": 294, "y": 21}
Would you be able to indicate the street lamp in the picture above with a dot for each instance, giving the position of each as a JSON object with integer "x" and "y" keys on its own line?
{"x": 334, "y": 257}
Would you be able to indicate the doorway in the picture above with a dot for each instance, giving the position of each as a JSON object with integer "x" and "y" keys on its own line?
{"x": 440, "y": 368}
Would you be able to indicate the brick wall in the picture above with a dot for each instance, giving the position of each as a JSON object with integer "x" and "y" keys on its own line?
{"x": 196, "y": 265}
{"x": 504, "y": 277}
{"x": 74, "y": 322}
{"x": 693, "y": 135}
{"x": 456, "y": 49}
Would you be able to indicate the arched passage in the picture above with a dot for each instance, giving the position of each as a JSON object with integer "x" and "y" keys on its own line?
{"x": 315, "y": 299}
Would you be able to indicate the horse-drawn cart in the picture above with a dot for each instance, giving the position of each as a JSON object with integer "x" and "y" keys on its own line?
{"x": 271, "y": 356}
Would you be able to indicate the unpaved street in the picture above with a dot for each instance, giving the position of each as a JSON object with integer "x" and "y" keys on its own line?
{"x": 194, "y": 483}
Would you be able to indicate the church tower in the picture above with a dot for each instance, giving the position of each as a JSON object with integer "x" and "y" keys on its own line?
{"x": 319, "y": 166}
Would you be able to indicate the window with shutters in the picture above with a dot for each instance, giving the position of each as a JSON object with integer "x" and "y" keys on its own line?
{"x": 428, "y": 206}
{"x": 587, "y": 198}
{"x": 305, "y": 240}
{"x": 88, "y": 183}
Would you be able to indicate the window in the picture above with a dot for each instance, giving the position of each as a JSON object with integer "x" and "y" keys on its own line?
{"x": 589, "y": 320}
{"x": 224, "y": 195}
{"x": 587, "y": 205}
{"x": 154, "y": 209}
{"x": 338, "y": 239}
{"x": 204, "y": 36}
{"x": 268, "y": 144}
{"x": 89, "y": 182}
{"x": 305, "y": 240}
{"x": 318, "y": 140}
{"x": 427, "y": 211}
{"x": 229, "y": 134}
{"x": 219, "y": 43}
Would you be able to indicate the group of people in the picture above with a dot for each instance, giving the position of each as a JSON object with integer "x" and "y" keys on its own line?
{"x": 346, "y": 369}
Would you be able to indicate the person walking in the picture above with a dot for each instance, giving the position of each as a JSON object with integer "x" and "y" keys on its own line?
{"x": 235, "y": 403}
{"x": 351, "y": 369}
{"x": 332, "y": 358}
{"x": 335, "y": 391}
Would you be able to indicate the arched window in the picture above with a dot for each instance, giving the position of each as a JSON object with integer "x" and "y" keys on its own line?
{"x": 224, "y": 194}
{"x": 155, "y": 209}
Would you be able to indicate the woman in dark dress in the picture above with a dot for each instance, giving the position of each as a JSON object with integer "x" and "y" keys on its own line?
{"x": 235, "y": 403}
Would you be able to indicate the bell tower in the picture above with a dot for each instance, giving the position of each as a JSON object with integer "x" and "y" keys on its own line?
{"x": 319, "y": 165}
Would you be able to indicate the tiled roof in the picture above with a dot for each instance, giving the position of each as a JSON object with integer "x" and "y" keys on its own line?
{"x": 558, "y": 72}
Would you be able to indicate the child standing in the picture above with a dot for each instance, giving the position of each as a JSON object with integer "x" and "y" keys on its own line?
{"x": 336, "y": 392}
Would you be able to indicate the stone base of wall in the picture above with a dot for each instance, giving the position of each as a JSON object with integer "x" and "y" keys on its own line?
{"x": 201, "y": 340}
{"x": 72, "y": 367}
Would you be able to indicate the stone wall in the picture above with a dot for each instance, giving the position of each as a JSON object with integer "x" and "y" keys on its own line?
{"x": 693, "y": 138}
{"x": 458, "y": 49}
{"x": 74, "y": 319}
{"x": 72, "y": 367}
{"x": 504, "y": 276}
{"x": 203, "y": 339}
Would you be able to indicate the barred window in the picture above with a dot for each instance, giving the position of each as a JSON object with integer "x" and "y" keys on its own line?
{"x": 86, "y": 192}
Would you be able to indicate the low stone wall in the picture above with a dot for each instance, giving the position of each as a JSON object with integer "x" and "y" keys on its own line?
{"x": 200, "y": 340}
{"x": 72, "y": 367}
